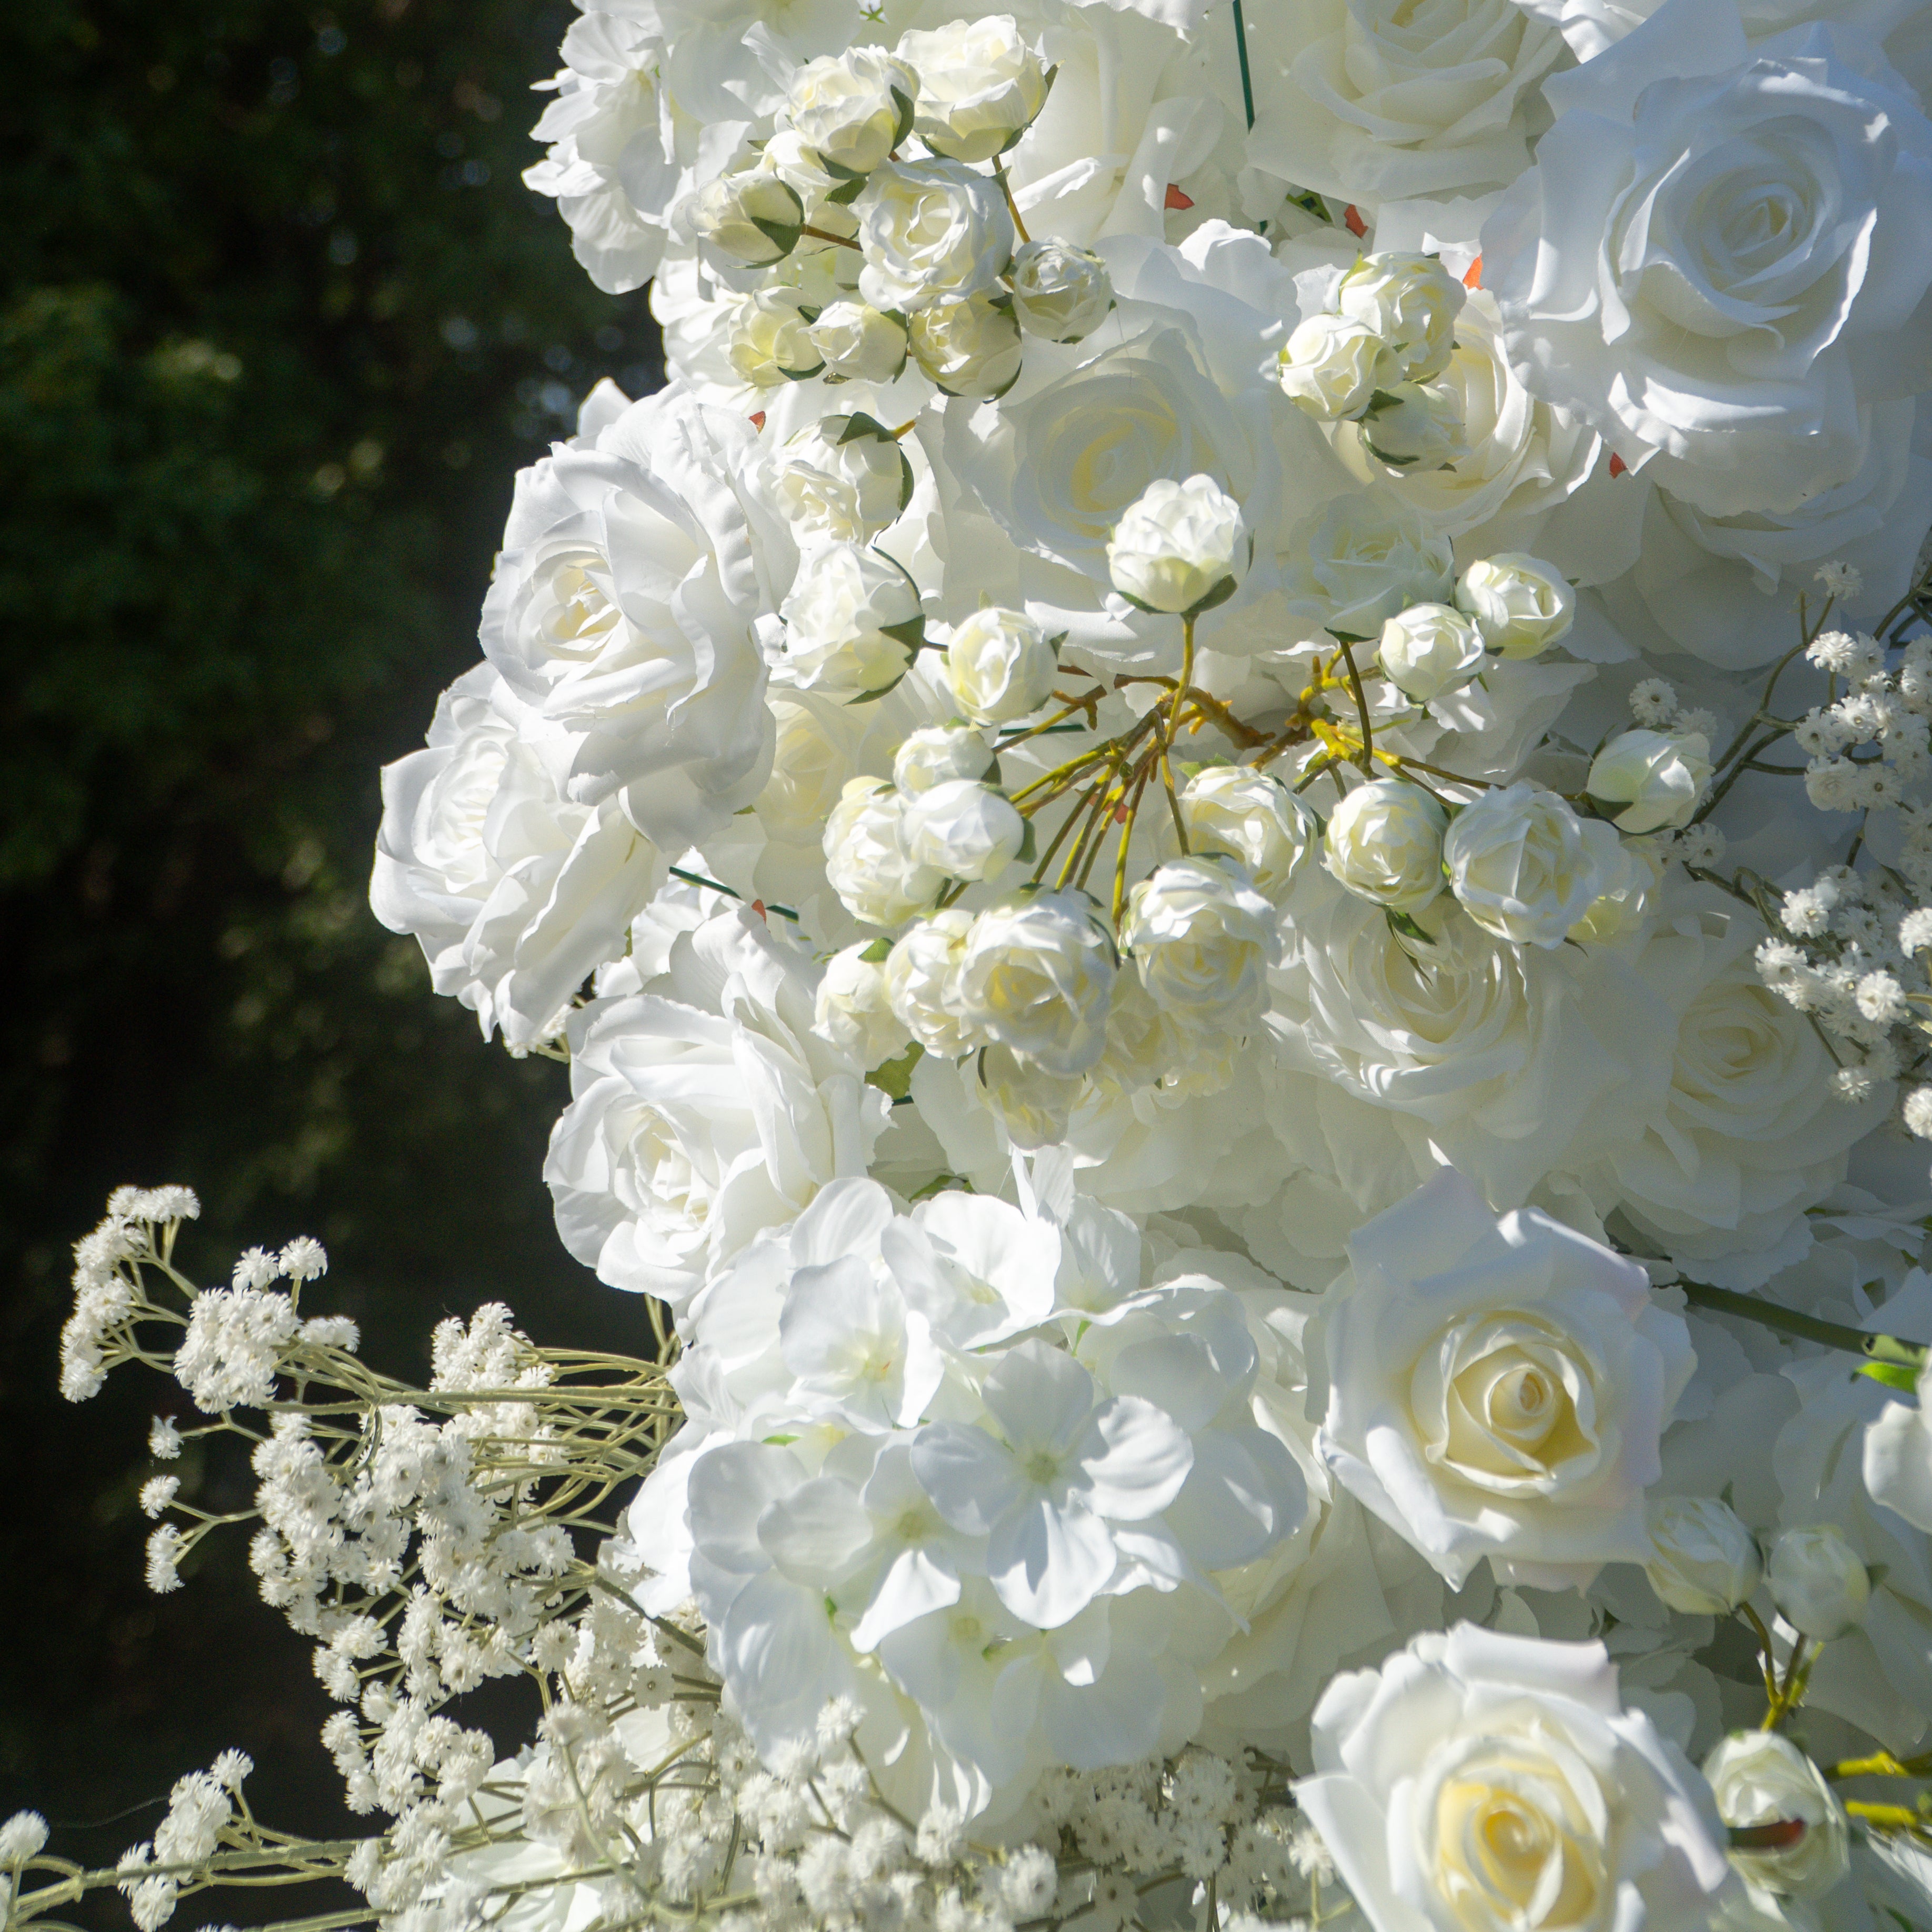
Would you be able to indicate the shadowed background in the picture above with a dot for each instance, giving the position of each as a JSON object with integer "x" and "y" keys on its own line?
{"x": 279, "y": 323}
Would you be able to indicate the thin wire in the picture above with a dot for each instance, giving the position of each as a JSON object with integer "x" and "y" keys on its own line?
{"x": 1241, "y": 48}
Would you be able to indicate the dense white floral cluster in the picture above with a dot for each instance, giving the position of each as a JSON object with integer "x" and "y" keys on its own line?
{"x": 1226, "y": 813}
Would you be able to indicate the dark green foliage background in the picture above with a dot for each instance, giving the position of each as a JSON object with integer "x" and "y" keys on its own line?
{"x": 277, "y": 323}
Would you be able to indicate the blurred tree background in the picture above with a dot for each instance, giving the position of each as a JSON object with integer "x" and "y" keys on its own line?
{"x": 278, "y": 321}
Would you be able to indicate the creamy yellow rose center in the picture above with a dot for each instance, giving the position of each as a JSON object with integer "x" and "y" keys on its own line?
{"x": 1514, "y": 1849}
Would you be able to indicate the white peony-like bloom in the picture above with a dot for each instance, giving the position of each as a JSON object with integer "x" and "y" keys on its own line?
{"x": 867, "y": 860}
{"x": 1703, "y": 1560}
{"x": 922, "y": 982}
{"x": 1202, "y": 939}
{"x": 1429, "y": 650}
{"x": 1645, "y": 284}
{"x": 1385, "y": 842}
{"x": 937, "y": 754}
{"x": 1521, "y": 605}
{"x": 1355, "y": 564}
{"x": 1657, "y": 777}
{"x": 1759, "y": 1778}
{"x": 1180, "y": 547}
{"x": 1478, "y": 1780}
{"x": 1411, "y": 302}
{"x": 853, "y": 621}
{"x": 980, "y": 86}
{"x": 1414, "y": 427}
{"x": 930, "y": 228}
{"x": 967, "y": 345}
{"x": 1498, "y": 1387}
{"x": 747, "y": 219}
{"x": 771, "y": 339}
{"x": 851, "y": 1009}
{"x": 1000, "y": 666}
{"x": 1332, "y": 365}
{"x": 1523, "y": 866}
{"x": 965, "y": 829}
{"x": 1060, "y": 293}
{"x": 851, "y": 110}
{"x": 1251, "y": 816}
{"x": 856, "y": 344}
{"x": 1821, "y": 1587}
{"x": 703, "y": 1111}
{"x": 1036, "y": 975}
{"x": 514, "y": 894}
{"x": 840, "y": 481}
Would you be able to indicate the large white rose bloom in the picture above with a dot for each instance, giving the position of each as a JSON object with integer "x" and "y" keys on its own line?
{"x": 1498, "y": 1387}
{"x": 930, "y": 228}
{"x": 1478, "y": 1780}
{"x": 1036, "y": 975}
{"x": 1523, "y": 866}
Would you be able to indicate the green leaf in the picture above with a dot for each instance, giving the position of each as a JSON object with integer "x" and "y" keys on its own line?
{"x": 880, "y": 691}
{"x": 847, "y": 192}
{"x": 911, "y": 633}
{"x": 1403, "y": 923}
{"x": 1029, "y": 846}
{"x": 874, "y": 954}
{"x": 859, "y": 425}
{"x": 893, "y": 1078}
{"x": 1893, "y": 1375}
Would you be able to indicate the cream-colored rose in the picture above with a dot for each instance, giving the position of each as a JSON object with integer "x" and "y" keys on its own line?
{"x": 1520, "y": 866}
{"x": 838, "y": 482}
{"x": 1656, "y": 777}
{"x": 1521, "y": 605}
{"x": 1037, "y": 976}
{"x": 936, "y": 753}
{"x": 771, "y": 340}
{"x": 1252, "y": 817}
{"x": 851, "y": 110}
{"x": 851, "y": 1009}
{"x": 748, "y": 219}
{"x": 1428, "y": 649}
{"x": 1821, "y": 1587}
{"x": 1703, "y": 1560}
{"x": 1179, "y": 547}
{"x": 818, "y": 742}
{"x": 980, "y": 86}
{"x": 856, "y": 343}
{"x": 1000, "y": 666}
{"x": 1060, "y": 293}
{"x": 1414, "y": 426}
{"x": 866, "y": 861}
{"x": 1032, "y": 1105}
{"x": 1760, "y": 1779}
{"x": 852, "y": 620}
{"x": 930, "y": 228}
{"x": 1411, "y": 302}
{"x": 1384, "y": 841}
{"x": 1626, "y": 895}
{"x": 964, "y": 828}
{"x": 1202, "y": 939}
{"x": 922, "y": 982}
{"x": 1331, "y": 366}
{"x": 967, "y": 345}
{"x": 1353, "y": 565}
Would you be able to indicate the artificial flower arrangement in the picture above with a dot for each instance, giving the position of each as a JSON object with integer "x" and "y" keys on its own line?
{"x": 1225, "y": 814}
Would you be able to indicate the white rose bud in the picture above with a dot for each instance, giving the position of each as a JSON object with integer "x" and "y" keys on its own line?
{"x": 1034, "y": 1105}
{"x": 1520, "y": 605}
{"x": 1518, "y": 863}
{"x": 1657, "y": 777}
{"x": 866, "y": 861}
{"x": 922, "y": 982}
{"x": 980, "y": 86}
{"x": 1820, "y": 1586}
{"x": 1429, "y": 650}
{"x": 1415, "y": 426}
{"x": 1202, "y": 939}
{"x": 851, "y": 1009}
{"x": 964, "y": 828}
{"x": 938, "y": 753}
{"x": 856, "y": 343}
{"x": 840, "y": 480}
{"x": 1330, "y": 366}
{"x": 1704, "y": 1560}
{"x": 967, "y": 345}
{"x": 851, "y": 110}
{"x": 1179, "y": 547}
{"x": 1252, "y": 817}
{"x": 853, "y": 622}
{"x": 771, "y": 340}
{"x": 1037, "y": 976}
{"x": 750, "y": 219}
{"x": 930, "y": 228}
{"x": 1000, "y": 666}
{"x": 1762, "y": 1782}
{"x": 1385, "y": 842}
{"x": 1411, "y": 302}
{"x": 1060, "y": 293}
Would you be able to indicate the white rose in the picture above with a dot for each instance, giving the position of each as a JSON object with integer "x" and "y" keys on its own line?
{"x": 1821, "y": 1588}
{"x": 1477, "y": 1781}
{"x": 839, "y": 480}
{"x": 1353, "y": 565}
{"x": 1498, "y": 1387}
{"x": 749, "y": 219}
{"x": 922, "y": 976}
{"x": 513, "y": 893}
{"x": 818, "y": 744}
{"x": 1037, "y": 976}
{"x": 851, "y": 1010}
{"x": 1000, "y": 666}
{"x": 660, "y": 698}
{"x": 1034, "y": 1105}
{"x": 1521, "y": 605}
{"x": 1521, "y": 866}
{"x": 1658, "y": 777}
{"x": 1060, "y": 293}
{"x": 1637, "y": 290}
{"x": 1414, "y": 426}
{"x": 936, "y": 753}
{"x": 1759, "y": 1778}
{"x": 964, "y": 828}
{"x": 851, "y": 110}
{"x": 866, "y": 862}
{"x": 980, "y": 86}
{"x": 1384, "y": 841}
{"x": 1252, "y": 817}
{"x": 1411, "y": 302}
{"x": 930, "y": 228}
{"x": 1179, "y": 547}
{"x": 1703, "y": 1560}
{"x": 856, "y": 344}
{"x": 704, "y": 1111}
{"x": 1625, "y": 897}
{"x": 853, "y": 621}
{"x": 771, "y": 340}
{"x": 1429, "y": 650}
{"x": 1331, "y": 366}
{"x": 1202, "y": 939}
{"x": 967, "y": 345}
